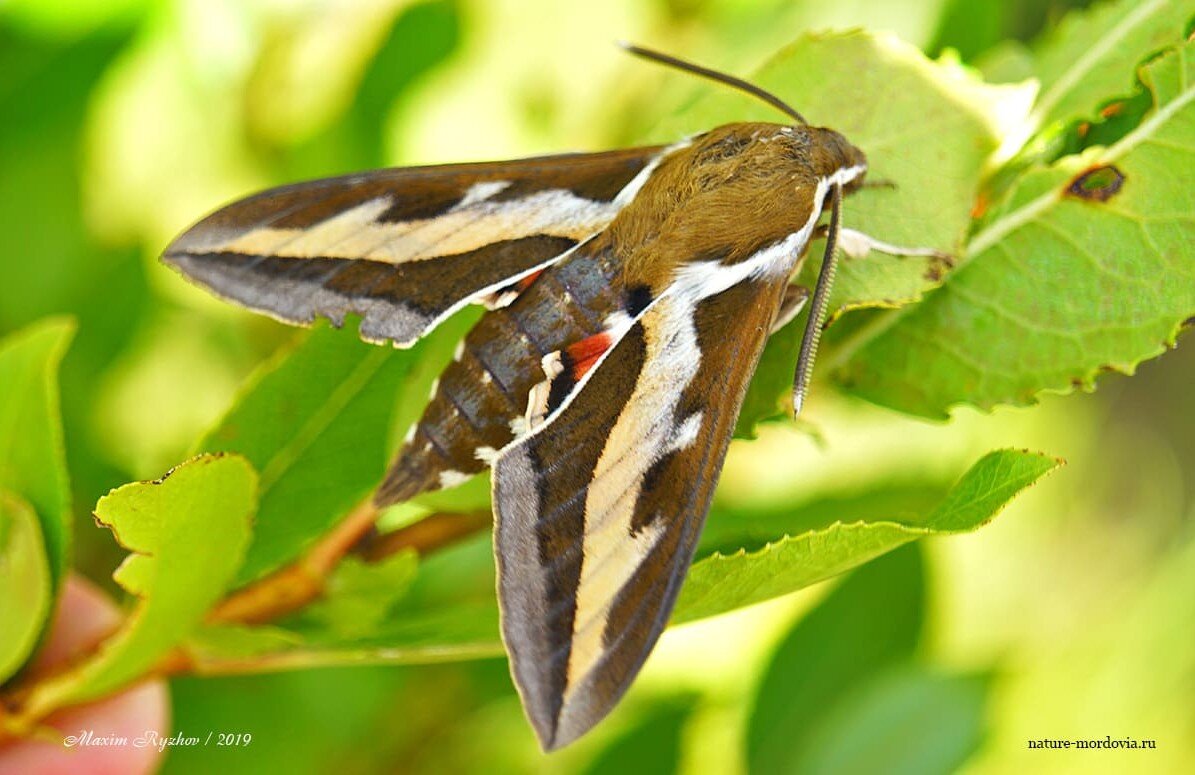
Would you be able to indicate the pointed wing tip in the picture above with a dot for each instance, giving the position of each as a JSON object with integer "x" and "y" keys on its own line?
{"x": 173, "y": 255}
{"x": 552, "y": 743}
{"x": 555, "y": 731}
{"x": 547, "y": 738}
{"x": 203, "y": 237}
{"x": 185, "y": 262}
{"x": 559, "y": 720}
{"x": 539, "y": 705}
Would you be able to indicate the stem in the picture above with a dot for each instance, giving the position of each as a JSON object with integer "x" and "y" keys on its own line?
{"x": 296, "y": 585}
{"x": 425, "y": 536}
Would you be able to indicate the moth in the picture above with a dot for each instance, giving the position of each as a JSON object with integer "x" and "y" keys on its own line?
{"x": 629, "y": 293}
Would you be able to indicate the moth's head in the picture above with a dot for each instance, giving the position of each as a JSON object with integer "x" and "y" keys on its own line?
{"x": 830, "y": 152}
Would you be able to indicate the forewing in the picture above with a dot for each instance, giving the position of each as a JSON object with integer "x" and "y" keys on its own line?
{"x": 598, "y": 511}
{"x": 403, "y": 248}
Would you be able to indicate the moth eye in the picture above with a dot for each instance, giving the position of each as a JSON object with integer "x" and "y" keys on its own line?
{"x": 637, "y": 299}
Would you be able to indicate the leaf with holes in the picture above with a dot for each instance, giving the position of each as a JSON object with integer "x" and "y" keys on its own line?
{"x": 1087, "y": 268}
{"x": 937, "y": 128}
{"x": 1089, "y": 57}
{"x": 187, "y": 533}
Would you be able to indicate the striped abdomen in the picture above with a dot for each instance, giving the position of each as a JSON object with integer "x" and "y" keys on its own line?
{"x": 480, "y": 401}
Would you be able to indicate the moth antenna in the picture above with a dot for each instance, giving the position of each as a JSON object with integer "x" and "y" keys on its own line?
{"x": 714, "y": 75}
{"x": 817, "y": 309}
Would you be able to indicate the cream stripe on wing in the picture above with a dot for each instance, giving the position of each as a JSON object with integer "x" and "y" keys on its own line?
{"x": 643, "y": 433}
{"x": 356, "y": 233}
{"x": 303, "y": 243}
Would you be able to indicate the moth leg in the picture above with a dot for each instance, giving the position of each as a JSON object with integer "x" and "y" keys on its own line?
{"x": 791, "y": 305}
{"x": 856, "y": 244}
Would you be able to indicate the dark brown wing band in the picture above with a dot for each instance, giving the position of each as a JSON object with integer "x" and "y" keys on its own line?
{"x": 546, "y": 489}
{"x": 400, "y": 300}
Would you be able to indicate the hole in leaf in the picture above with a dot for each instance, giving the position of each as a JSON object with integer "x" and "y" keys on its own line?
{"x": 1097, "y": 184}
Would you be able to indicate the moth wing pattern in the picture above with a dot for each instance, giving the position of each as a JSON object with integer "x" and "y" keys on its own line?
{"x": 405, "y": 247}
{"x": 599, "y": 510}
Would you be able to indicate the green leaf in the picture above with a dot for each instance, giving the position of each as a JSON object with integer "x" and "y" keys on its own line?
{"x": 751, "y": 528}
{"x": 319, "y": 422}
{"x": 869, "y": 622}
{"x": 32, "y": 457}
{"x": 25, "y": 583}
{"x": 466, "y": 630}
{"x": 932, "y": 136}
{"x": 188, "y": 532}
{"x": 358, "y": 597}
{"x": 1057, "y": 287}
{"x": 908, "y": 721}
{"x": 449, "y": 611}
{"x": 725, "y": 580}
{"x": 1090, "y": 56}
{"x": 228, "y": 644}
{"x": 446, "y": 612}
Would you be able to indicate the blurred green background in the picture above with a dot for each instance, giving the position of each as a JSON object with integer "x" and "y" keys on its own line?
{"x": 1072, "y": 615}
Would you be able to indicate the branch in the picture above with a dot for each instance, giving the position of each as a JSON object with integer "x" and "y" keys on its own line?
{"x": 296, "y": 585}
{"x": 425, "y": 536}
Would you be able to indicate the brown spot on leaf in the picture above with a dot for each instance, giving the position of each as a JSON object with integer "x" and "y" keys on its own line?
{"x": 981, "y": 205}
{"x": 1112, "y": 109}
{"x": 1097, "y": 184}
{"x": 938, "y": 266}
{"x": 1082, "y": 129}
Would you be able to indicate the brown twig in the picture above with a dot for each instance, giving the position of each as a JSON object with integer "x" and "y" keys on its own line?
{"x": 296, "y": 585}
{"x": 425, "y": 536}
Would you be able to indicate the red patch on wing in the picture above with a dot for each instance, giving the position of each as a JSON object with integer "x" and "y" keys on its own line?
{"x": 582, "y": 355}
{"x": 525, "y": 283}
